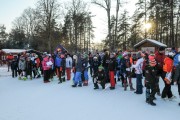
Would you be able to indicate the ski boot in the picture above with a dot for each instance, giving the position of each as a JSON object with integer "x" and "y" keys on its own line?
{"x": 152, "y": 103}
{"x": 85, "y": 83}
{"x": 75, "y": 85}
{"x": 112, "y": 88}
{"x": 25, "y": 78}
{"x": 80, "y": 85}
{"x": 131, "y": 87}
{"x": 19, "y": 78}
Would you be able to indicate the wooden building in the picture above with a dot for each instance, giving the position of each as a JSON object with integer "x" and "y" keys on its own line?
{"x": 149, "y": 45}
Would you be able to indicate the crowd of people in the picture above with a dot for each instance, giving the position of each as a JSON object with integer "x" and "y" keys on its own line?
{"x": 104, "y": 67}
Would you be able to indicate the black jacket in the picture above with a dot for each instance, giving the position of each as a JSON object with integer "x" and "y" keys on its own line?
{"x": 151, "y": 74}
{"x": 100, "y": 75}
{"x": 14, "y": 65}
{"x": 112, "y": 64}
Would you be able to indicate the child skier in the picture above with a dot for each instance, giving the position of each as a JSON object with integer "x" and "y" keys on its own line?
{"x": 14, "y": 67}
{"x": 138, "y": 68}
{"x": 22, "y": 68}
{"x": 95, "y": 65}
{"x": 99, "y": 77}
{"x": 151, "y": 80}
{"x": 126, "y": 71}
{"x": 29, "y": 67}
{"x": 111, "y": 67}
{"x": 78, "y": 69}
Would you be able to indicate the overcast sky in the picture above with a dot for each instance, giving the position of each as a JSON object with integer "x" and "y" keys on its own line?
{"x": 10, "y": 9}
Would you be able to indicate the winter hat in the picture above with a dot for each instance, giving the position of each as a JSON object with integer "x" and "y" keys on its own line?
{"x": 125, "y": 54}
{"x": 94, "y": 58}
{"x": 152, "y": 60}
{"x": 74, "y": 57}
{"x": 100, "y": 67}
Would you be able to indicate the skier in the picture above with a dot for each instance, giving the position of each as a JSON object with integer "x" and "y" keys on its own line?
{"x": 58, "y": 61}
{"x": 68, "y": 66}
{"x": 51, "y": 70}
{"x": 78, "y": 69}
{"x": 126, "y": 71}
{"x": 85, "y": 69}
{"x": 29, "y": 67}
{"x": 138, "y": 70}
{"x": 14, "y": 67}
{"x": 46, "y": 65}
{"x": 112, "y": 69}
{"x": 151, "y": 80}
{"x": 63, "y": 67}
{"x": 160, "y": 56}
{"x": 99, "y": 77}
{"x": 177, "y": 75}
{"x": 22, "y": 68}
{"x": 166, "y": 75}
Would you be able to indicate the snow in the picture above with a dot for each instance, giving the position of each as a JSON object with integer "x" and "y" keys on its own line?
{"x": 35, "y": 100}
{"x": 152, "y": 41}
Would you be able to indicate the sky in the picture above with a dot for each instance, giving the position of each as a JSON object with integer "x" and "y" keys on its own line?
{"x": 11, "y": 9}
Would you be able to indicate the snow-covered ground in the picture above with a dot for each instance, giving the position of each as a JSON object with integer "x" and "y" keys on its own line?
{"x": 34, "y": 100}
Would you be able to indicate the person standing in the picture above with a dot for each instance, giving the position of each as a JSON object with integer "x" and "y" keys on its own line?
{"x": 14, "y": 67}
{"x": 112, "y": 69}
{"x": 167, "y": 76}
{"x": 138, "y": 70}
{"x": 177, "y": 75}
{"x": 58, "y": 61}
{"x": 68, "y": 66}
{"x": 9, "y": 59}
{"x": 46, "y": 68}
{"x": 78, "y": 69}
{"x": 151, "y": 80}
{"x": 159, "y": 57}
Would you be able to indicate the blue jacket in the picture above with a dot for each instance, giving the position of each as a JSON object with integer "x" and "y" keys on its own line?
{"x": 58, "y": 61}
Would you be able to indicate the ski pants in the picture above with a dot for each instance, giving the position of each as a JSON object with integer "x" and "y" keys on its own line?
{"x": 77, "y": 78}
{"x": 112, "y": 80}
{"x": 139, "y": 87}
{"x": 68, "y": 73}
{"x": 167, "y": 88}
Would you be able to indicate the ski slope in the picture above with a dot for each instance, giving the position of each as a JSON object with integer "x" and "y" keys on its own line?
{"x": 34, "y": 100}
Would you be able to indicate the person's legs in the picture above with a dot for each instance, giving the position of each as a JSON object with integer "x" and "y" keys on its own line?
{"x": 139, "y": 84}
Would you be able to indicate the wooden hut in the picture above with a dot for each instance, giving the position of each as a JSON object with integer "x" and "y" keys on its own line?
{"x": 149, "y": 45}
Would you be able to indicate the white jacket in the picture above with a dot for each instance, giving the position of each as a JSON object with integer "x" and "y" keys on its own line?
{"x": 68, "y": 62}
{"x": 138, "y": 66}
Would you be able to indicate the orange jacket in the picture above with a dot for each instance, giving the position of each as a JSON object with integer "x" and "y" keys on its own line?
{"x": 10, "y": 57}
{"x": 37, "y": 62}
{"x": 168, "y": 65}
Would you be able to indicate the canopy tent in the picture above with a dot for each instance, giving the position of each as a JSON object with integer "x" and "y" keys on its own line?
{"x": 60, "y": 48}
{"x": 34, "y": 51}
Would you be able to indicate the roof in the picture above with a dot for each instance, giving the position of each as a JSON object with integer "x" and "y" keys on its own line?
{"x": 151, "y": 41}
{"x": 13, "y": 50}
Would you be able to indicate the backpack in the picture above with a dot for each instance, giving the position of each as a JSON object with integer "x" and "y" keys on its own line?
{"x": 176, "y": 59}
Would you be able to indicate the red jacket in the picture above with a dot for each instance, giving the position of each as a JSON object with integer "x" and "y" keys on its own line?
{"x": 168, "y": 64}
{"x": 160, "y": 60}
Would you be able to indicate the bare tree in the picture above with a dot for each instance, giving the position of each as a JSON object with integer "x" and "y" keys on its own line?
{"x": 48, "y": 12}
{"x": 106, "y": 4}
